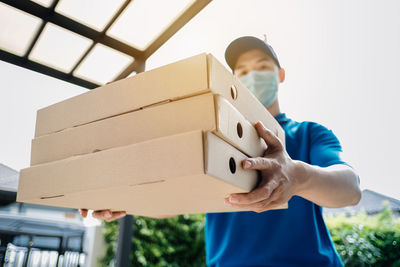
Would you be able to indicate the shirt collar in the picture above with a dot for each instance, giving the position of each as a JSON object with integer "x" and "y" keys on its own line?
{"x": 281, "y": 118}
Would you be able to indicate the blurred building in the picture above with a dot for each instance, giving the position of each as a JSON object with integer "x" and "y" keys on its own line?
{"x": 34, "y": 235}
{"x": 371, "y": 202}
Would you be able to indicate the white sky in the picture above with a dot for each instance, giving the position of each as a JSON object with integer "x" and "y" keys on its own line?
{"x": 341, "y": 59}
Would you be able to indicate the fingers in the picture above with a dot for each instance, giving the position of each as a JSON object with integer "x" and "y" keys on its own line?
{"x": 257, "y": 195}
{"x": 269, "y": 137}
{"x": 259, "y": 163}
{"x": 102, "y": 214}
{"x": 108, "y": 215}
{"x": 273, "y": 201}
{"x": 117, "y": 215}
{"x": 83, "y": 213}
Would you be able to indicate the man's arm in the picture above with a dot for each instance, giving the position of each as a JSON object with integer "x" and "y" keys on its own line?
{"x": 281, "y": 178}
{"x": 335, "y": 186}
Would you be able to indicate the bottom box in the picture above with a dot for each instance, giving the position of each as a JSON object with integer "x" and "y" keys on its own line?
{"x": 179, "y": 174}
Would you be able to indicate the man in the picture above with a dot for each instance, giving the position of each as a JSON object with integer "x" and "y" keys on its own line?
{"x": 308, "y": 173}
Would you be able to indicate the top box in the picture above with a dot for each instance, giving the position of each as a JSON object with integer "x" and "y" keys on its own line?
{"x": 189, "y": 77}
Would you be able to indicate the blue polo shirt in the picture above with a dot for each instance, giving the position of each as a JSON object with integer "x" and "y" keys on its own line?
{"x": 296, "y": 236}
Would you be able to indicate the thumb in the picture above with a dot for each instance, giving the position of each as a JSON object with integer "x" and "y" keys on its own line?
{"x": 273, "y": 142}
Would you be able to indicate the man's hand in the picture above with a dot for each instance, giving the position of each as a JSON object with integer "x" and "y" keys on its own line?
{"x": 106, "y": 215}
{"x": 278, "y": 183}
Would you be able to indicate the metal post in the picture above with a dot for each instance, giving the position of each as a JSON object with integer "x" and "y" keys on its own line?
{"x": 60, "y": 250}
{"x": 124, "y": 247}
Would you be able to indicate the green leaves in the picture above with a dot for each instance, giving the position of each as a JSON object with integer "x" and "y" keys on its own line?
{"x": 364, "y": 240}
{"x": 177, "y": 241}
{"x": 361, "y": 240}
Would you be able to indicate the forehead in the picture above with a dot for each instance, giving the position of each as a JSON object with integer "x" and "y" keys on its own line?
{"x": 251, "y": 57}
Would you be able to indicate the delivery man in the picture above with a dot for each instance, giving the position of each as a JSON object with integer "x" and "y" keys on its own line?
{"x": 308, "y": 173}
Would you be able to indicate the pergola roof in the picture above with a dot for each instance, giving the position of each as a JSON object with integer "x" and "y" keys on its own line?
{"x": 89, "y": 42}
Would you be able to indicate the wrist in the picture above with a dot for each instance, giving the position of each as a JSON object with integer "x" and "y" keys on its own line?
{"x": 301, "y": 176}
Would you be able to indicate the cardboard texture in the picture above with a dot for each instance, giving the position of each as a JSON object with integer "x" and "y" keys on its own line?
{"x": 206, "y": 112}
{"x": 166, "y": 141}
{"x": 192, "y": 76}
{"x": 176, "y": 174}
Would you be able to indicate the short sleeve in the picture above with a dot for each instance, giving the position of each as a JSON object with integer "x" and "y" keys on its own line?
{"x": 325, "y": 148}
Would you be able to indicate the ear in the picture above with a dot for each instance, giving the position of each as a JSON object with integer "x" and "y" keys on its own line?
{"x": 282, "y": 75}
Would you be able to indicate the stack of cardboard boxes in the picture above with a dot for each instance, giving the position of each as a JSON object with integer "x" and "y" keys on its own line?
{"x": 167, "y": 141}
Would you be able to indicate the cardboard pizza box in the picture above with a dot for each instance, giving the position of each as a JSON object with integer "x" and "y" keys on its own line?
{"x": 206, "y": 112}
{"x": 190, "y": 172}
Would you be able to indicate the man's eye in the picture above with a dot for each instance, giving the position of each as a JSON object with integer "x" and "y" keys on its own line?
{"x": 264, "y": 67}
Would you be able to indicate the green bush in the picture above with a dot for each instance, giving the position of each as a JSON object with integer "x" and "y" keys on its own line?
{"x": 367, "y": 240}
{"x": 361, "y": 240}
{"x": 177, "y": 241}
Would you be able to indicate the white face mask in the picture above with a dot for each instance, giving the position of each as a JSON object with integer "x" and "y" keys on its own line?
{"x": 263, "y": 84}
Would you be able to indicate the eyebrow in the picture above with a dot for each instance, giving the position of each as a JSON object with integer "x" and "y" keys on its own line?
{"x": 258, "y": 61}
{"x": 264, "y": 58}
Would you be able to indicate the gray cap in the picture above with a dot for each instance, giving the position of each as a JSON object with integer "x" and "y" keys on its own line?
{"x": 244, "y": 44}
